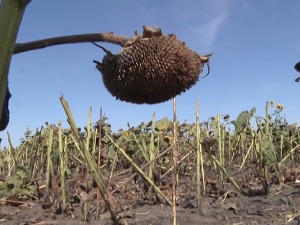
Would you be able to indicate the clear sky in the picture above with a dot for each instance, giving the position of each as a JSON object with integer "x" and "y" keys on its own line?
{"x": 255, "y": 45}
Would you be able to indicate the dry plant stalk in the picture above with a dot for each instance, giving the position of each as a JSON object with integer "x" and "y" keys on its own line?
{"x": 145, "y": 166}
{"x": 62, "y": 166}
{"x": 152, "y": 148}
{"x": 175, "y": 156}
{"x": 70, "y": 39}
{"x": 100, "y": 139}
{"x": 140, "y": 171}
{"x": 49, "y": 162}
{"x": 200, "y": 166}
{"x": 91, "y": 164}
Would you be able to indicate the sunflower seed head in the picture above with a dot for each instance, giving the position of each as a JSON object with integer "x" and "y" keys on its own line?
{"x": 151, "y": 69}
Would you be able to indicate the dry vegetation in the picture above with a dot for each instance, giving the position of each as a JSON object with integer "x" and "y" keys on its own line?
{"x": 246, "y": 174}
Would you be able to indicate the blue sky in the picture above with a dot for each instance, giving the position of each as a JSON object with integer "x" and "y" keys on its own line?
{"x": 255, "y": 45}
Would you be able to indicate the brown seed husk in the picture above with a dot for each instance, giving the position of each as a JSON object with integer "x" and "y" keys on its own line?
{"x": 151, "y": 69}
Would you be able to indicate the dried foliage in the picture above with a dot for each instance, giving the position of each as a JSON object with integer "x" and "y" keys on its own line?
{"x": 248, "y": 161}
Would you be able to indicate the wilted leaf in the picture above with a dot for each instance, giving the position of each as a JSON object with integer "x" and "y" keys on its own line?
{"x": 111, "y": 152}
{"x": 164, "y": 124}
{"x": 10, "y": 187}
{"x": 226, "y": 117}
{"x": 23, "y": 173}
{"x": 106, "y": 128}
{"x": 105, "y": 140}
{"x": 116, "y": 135}
{"x": 213, "y": 123}
{"x": 253, "y": 111}
{"x": 12, "y": 182}
{"x": 268, "y": 150}
{"x": 242, "y": 121}
{"x": 127, "y": 136}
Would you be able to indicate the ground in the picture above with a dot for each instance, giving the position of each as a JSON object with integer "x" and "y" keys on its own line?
{"x": 220, "y": 204}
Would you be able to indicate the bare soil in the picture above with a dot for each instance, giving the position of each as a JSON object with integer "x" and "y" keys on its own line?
{"x": 136, "y": 204}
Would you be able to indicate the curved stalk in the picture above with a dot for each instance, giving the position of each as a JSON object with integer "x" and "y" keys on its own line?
{"x": 71, "y": 39}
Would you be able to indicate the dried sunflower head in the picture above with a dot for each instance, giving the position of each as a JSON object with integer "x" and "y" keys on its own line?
{"x": 152, "y": 68}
